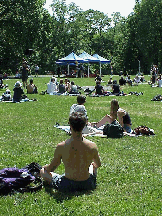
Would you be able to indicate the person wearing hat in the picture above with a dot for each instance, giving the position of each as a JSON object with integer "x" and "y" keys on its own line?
{"x": 18, "y": 92}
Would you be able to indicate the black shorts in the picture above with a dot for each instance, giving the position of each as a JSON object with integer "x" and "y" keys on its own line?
{"x": 63, "y": 184}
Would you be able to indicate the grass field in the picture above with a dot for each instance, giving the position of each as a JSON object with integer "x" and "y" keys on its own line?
{"x": 129, "y": 180}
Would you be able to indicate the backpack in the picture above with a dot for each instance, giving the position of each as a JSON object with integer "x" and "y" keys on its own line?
{"x": 113, "y": 130}
{"x": 20, "y": 180}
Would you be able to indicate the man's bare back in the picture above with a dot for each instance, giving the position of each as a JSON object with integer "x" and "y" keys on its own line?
{"x": 77, "y": 154}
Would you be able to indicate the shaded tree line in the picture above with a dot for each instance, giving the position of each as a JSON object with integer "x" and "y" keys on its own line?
{"x": 27, "y": 25}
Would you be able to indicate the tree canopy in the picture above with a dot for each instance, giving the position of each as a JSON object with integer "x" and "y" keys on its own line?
{"x": 27, "y": 25}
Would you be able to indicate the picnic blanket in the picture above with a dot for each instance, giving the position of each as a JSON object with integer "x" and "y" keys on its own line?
{"x": 87, "y": 131}
{"x": 64, "y": 94}
{"x": 91, "y": 131}
{"x": 107, "y": 94}
{"x": 106, "y": 88}
{"x": 23, "y": 100}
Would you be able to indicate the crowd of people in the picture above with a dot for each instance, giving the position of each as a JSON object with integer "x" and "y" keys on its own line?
{"x": 80, "y": 156}
{"x": 64, "y": 86}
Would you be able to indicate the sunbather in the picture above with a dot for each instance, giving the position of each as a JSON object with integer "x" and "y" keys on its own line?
{"x": 77, "y": 154}
{"x": 116, "y": 112}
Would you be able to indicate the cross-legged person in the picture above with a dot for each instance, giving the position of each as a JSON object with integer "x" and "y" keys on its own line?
{"x": 77, "y": 155}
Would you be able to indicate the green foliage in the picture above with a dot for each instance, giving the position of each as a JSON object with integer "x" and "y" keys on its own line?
{"x": 20, "y": 22}
{"x": 146, "y": 31}
{"x": 129, "y": 180}
{"x": 124, "y": 40}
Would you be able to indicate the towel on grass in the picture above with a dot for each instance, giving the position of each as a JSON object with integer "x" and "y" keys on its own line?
{"x": 87, "y": 131}
{"x": 91, "y": 131}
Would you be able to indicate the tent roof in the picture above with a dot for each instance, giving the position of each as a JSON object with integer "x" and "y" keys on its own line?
{"x": 102, "y": 60}
{"x": 88, "y": 57}
{"x": 64, "y": 63}
{"x": 72, "y": 58}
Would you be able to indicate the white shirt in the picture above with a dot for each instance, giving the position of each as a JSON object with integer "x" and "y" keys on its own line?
{"x": 51, "y": 87}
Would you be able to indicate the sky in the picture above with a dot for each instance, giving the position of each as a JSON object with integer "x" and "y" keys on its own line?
{"x": 125, "y": 7}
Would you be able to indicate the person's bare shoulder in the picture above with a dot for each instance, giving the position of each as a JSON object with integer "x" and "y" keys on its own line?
{"x": 63, "y": 143}
{"x": 90, "y": 144}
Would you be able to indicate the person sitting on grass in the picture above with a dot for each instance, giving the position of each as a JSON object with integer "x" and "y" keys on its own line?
{"x": 115, "y": 88}
{"x": 160, "y": 81}
{"x": 79, "y": 107}
{"x": 116, "y": 111}
{"x": 110, "y": 81}
{"x": 98, "y": 78}
{"x": 67, "y": 85}
{"x": 122, "y": 81}
{"x": 136, "y": 80}
{"x": 128, "y": 80}
{"x": 51, "y": 86}
{"x": 61, "y": 87}
{"x": 31, "y": 88}
{"x": 77, "y": 154}
{"x": 74, "y": 88}
{"x": 99, "y": 88}
{"x": 18, "y": 92}
{"x": 6, "y": 96}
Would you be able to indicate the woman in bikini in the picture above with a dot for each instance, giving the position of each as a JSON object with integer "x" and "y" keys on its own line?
{"x": 116, "y": 112}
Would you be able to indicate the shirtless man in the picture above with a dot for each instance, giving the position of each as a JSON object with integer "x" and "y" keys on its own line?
{"x": 77, "y": 154}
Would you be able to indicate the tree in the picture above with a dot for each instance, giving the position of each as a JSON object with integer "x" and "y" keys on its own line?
{"x": 19, "y": 23}
{"x": 148, "y": 34}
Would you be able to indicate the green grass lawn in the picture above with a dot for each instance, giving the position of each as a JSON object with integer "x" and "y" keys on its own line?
{"x": 129, "y": 180}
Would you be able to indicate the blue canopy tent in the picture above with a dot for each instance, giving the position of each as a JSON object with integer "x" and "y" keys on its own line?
{"x": 88, "y": 58}
{"x": 102, "y": 60}
{"x": 65, "y": 63}
{"x": 72, "y": 58}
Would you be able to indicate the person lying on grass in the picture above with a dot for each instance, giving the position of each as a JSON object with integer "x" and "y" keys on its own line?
{"x": 116, "y": 112}
{"x": 77, "y": 154}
